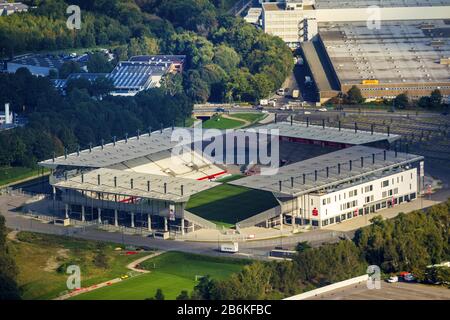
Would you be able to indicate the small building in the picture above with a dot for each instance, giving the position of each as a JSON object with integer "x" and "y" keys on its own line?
{"x": 131, "y": 77}
{"x": 174, "y": 63}
{"x": 8, "y": 8}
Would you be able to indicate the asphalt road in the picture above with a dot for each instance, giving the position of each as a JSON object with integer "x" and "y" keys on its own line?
{"x": 255, "y": 249}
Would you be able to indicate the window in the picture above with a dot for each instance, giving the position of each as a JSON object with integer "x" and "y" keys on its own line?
{"x": 325, "y": 222}
{"x": 331, "y": 220}
{"x": 390, "y": 192}
{"x": 385, "y": 183}
{"x": 396, "y": 191}
{"x": 324, "y": 201}
{"x": 367, "y": 199}
{"x": 384, "y": 194}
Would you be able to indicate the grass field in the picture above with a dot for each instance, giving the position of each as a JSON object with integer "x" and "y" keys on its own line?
{"x": 250, "y": 117}
{"x": 227, "y": 204}
{"x": 230, "y": 178}
{"x": 171, "y": 272}
{"x": 219, "y": 122}
{"x": 13, "y": 174}
{"x": 42, "y": 261}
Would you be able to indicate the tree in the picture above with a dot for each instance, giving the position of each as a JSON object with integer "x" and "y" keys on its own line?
{"x": 8, "y": 269}
{"x": 98, "y": 63}
{"x": 68, "y": 68}
{"x": 435, "y": 99}
{"x": 401, "y": 101}
{"x": 354, "y": 95}
{"x": 226, "y": 57}
{"x": 183, "y": 295}
{"x": 302, "y": 246}
{"x": 159, "y": 295}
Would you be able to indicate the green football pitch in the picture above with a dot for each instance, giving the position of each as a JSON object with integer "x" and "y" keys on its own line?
{"x": 171, "y": 272}
{"x": 227, "y": 204}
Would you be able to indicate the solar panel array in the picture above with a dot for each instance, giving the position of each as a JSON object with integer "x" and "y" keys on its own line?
{"x": 136, "y": 75}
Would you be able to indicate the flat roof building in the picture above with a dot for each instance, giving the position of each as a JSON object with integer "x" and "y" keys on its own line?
{"x": 338, "y": 186}
{"x": 402, "y": 56}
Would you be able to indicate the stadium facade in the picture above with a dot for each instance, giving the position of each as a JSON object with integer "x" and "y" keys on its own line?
{"x": 137, "y": 183}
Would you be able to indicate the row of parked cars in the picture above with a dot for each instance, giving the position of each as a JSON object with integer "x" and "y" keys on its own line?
{"x": 403, "y": 276}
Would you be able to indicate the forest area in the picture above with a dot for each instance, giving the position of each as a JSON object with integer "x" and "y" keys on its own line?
{"x": 227, "y": 60}
{"x": 409, "y": 242}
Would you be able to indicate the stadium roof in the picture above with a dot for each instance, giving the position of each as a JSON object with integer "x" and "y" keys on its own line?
{"x": 140, "y": 185}
{"x": 331, "y": 160}
{"x": 144, "y": 145}
{"x": 329, "y": 134}
{"x": 114, "y": 153}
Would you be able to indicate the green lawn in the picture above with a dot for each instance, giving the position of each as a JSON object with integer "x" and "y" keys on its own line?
{"x": 13, "y": 174}
{"x": 171, "y": 272}
{"x": 42, "y": 261}
{"x": 251, "y": 117}
{"x": 219, "y": 122}
{"x": 227, "y": 204}
{"x": 230, "y": 178}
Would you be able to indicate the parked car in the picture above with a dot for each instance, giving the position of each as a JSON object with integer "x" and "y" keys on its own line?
{"x": 392, "y": 279}
{"x": 280, "y": 92}
{"x": 220, "y": 110}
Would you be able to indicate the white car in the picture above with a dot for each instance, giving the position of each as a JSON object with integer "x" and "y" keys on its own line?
{"x": 306, "y": 112}
{"x": 323, "y": 109}
{"x": 392, "y": 279}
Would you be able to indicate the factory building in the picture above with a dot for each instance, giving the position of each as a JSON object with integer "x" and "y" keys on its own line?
{"x": 385, "y": 48}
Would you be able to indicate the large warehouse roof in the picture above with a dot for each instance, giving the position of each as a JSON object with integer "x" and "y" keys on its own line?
{"x": 89, "y": 182}
{"x": 338, "y": 4}
{"x": 328, "y": 134}
{"x": 331, "y": 160}
{"x": 398, "y": 52}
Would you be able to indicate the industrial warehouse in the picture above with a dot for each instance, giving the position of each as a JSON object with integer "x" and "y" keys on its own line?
{"x": 139, "y": 183}
{"x": 385, "y": 48}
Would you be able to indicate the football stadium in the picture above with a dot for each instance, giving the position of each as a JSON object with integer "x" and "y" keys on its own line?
{"x": 322, "y": 176}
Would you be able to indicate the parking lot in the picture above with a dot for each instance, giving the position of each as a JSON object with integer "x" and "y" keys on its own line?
{"x": 388, "y": 291}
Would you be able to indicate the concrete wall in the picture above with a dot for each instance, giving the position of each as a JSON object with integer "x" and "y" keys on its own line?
{"x": 329, "y": 288}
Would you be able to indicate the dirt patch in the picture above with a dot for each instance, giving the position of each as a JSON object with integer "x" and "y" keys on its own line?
{"x": 54, "y": 261}
{"x": 12, "y": 236}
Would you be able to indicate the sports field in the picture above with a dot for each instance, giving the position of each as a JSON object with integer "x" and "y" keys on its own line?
{"x": 219, "y": 122}
{"x": 227, "y": 204}
{"x": 171, "y": 272}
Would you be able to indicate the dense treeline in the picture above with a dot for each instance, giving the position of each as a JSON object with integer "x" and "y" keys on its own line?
{"x": 79, "y": 118}
{"x": 228, "y": 59}
{"x": 8, "y": 269}
{"x": 406, "y": 243}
